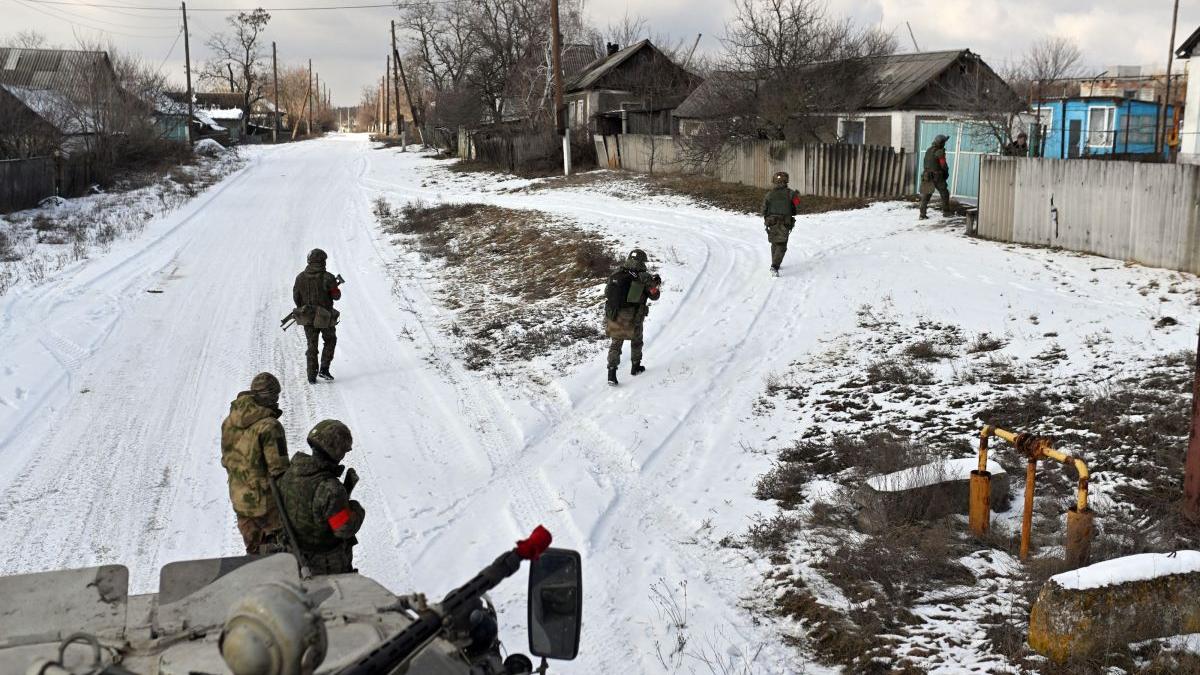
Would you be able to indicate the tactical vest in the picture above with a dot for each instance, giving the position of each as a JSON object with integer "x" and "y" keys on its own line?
{"x": 299, "y": 490}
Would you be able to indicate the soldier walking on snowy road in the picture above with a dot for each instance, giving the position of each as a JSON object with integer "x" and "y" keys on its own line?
{"x": 934, "y": 175}
{"x": 779, "y": 216}
{"x": 627, "y": 296}
{"x": 314, "y": 293}
{"x": 253, "y": 450}
{"x": 323, "y": 518}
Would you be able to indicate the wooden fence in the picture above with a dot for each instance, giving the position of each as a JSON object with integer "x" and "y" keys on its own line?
{"x": 1147, "y": 213}
{"x": 830, "y": 170}
{"x": 25, "y": 182}
{"x": 509, "y": 151}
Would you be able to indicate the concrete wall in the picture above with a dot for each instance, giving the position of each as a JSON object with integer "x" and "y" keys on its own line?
{"x": 1147, "y": 213}
{"x": 815, "y": 169}
{"x": 1189, "y": 135}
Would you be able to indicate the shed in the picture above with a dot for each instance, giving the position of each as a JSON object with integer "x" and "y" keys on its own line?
{"x": 632, "y": 90}
{"x": 1083, "y": 126}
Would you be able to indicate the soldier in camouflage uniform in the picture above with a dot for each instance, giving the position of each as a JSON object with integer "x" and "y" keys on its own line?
{"x": 934, "y": 175}
{"x": 323, "y": 517}
{"x": 254, "y": 447}
{"x": 314, "y": 292}
{"x": 629, "y": 292}
{"x": 779, "y": 216}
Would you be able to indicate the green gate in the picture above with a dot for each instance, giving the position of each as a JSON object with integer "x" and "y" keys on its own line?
{"x": 968, "y": 143}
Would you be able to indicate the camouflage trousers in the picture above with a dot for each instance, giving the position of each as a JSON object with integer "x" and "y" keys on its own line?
{"x": 329, "y": 336}
{"x": 635, "y": 349}
{"x": 778, "y": 249}
{"x": 340, "y": 560}
{"x": 927, "y": 188}
{"x": 261, "y": 535}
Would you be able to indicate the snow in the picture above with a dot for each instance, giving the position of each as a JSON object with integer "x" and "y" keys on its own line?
{"x": 111, "y": 398}
{"x": 930, "y": 474}
{"x": 1140, "y": 567}
{"x": 224, "y": 113}
{"x": 207, "y": 146}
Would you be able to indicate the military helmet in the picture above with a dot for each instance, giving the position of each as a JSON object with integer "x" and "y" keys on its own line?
{"x": 638, "y": 255}
{"x": 265, "y": 387}
{"x": 940, "y": 139}
{"x": 333, "y": 437}
{"x": 317, "y": 256}
{"x": 780, "y": 179}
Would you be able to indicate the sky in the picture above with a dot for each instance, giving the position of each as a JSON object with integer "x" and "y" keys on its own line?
{"x": 348, "y": 48}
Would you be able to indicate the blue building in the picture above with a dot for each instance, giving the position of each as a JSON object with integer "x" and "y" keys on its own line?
{"x": 1096, "y": 125}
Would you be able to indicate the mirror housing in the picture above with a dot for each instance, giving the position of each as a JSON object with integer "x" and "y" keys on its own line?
{"x": 555, "y": 604}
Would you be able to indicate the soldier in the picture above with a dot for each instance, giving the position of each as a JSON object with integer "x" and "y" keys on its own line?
{"x": 314, "y": 293}
{"x": 323, "y": 518}
{"x": 779, "y": 216}
{"x": 627, "y": 296}
{"x": 253, "y": 448}
{"x": 1019, "y": 147}
{"x": 934, "y": 175}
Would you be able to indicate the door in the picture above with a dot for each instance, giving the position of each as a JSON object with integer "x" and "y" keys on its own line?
{"x": 1073, "y": 137}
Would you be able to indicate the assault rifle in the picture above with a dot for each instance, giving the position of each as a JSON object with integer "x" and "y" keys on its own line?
{"x": 287, "y": 321}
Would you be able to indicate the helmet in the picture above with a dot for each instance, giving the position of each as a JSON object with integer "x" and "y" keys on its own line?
{"x": 780, "y": 179}
{"x": 317, "y": 256}
{"x": 940, "y": 139}
{"x": 265, "y": 388}
{"x": 638, "y": 255}
{"x": 332, "y": 437}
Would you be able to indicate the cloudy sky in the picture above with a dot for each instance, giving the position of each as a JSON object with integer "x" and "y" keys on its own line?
{"x": 348, "y": 48}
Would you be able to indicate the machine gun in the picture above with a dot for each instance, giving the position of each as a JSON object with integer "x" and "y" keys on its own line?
{"x": 289, "y": 320}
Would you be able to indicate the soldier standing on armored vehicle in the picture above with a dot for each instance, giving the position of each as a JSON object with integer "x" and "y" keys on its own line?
{"x": 779, "y": 216}
{"x": 934, "y": 175}
{"x": 627, "y": 296}
{"x": 254, "y": 450}
{"x": 323, "y": 518}
{"x": 314, "y": 293}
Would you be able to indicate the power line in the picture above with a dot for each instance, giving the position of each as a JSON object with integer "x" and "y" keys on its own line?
{"x": 399, "y": 5}
{"x": 172, "y": 49}
{"x": 80, "y": 24}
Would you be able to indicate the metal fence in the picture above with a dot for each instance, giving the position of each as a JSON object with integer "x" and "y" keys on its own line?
{"x": 1147, "y": 213}
{"x": 830, "y": 170}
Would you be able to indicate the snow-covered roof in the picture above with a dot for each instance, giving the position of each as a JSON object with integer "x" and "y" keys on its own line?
{"x": 207, "y": 119}
{"x": 930, "y": 474}
{"x": 224, "y": 113}
{"x": 1138, "y": 567}
{"x": 52, "y": 106}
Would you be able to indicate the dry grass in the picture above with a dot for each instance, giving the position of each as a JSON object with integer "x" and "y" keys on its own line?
{"x": 520, "y": 275}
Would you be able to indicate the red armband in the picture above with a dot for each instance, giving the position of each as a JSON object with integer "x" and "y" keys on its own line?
{"x": 795, "y": 200}
{"x": 335, "y": 293}
{"x": 654, "y": 293}
{"x": 338, "y": 520}
{"x": 942, "y": 161}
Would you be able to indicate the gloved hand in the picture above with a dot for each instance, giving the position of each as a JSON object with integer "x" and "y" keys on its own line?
{"x": 350, "y": 480}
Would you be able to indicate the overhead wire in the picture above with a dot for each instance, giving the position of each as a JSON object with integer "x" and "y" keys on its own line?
{"x": 148, "y": 8}
{"x": 81, "y": 24}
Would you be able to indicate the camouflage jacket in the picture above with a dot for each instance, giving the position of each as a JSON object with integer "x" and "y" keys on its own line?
{"x": 315, "y": 286}
{"x": 322, "y": 515}
{"x": 934, "y": 167}
{"x": 253, "y": 446}
{"x": 781, "y": 201}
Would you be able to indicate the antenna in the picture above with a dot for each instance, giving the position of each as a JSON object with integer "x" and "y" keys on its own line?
{"x": 914, "y": 37}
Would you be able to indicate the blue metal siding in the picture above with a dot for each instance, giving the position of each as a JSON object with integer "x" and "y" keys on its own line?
{"x": 1132, "y": 129}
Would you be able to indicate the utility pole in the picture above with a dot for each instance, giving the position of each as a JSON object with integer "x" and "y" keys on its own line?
{"x": 412, "y": 105}
{"x": 1170, "y": 62}
{"x": 275, "y": 86}
{"x": 395, "y": 80}
{"x": 309, "y": 97}
{"x": 387, "y": 103}
{"x": 187, "y": 58}
{"x": 317, "y": 95}
{"x": 556, "y": 63}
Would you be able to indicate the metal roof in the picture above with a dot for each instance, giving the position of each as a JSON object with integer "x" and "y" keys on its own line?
{"x": 69, "y": 71}
{"x": 52, "y": 106}
{"x": 604, "y": 65}
{"x": 1189, "y": 45}
{"x": 575, "y": 58}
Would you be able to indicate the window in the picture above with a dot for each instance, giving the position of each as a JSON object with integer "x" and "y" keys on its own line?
{"x": 852, "y": 132}
{"x": 1046, "y": 119}
{"x": 1100, "y": 123}
{"x": 1141, "y": 129}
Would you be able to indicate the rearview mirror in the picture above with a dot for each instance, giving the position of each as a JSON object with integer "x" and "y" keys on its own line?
{"x": 555, "y": 604}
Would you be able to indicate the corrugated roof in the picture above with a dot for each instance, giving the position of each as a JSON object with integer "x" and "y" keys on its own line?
{"x": 895, "y": 79}
{"x": 52, "y": 106}
{"x": 898, "y": 77}
{"x": 710, "y": 92}
{"x": 604, "y": 65}
{"x": 575, "y": 58}
{"x": 70, "y": 71}
{"x": 1189, "y": 45}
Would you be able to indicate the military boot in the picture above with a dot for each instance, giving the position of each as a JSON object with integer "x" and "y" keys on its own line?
{"x": 637, "y": 369}
{"x": 612, "y": 377}
{"x": 325, "y": 374}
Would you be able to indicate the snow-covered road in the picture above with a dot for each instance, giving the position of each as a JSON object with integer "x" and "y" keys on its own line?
{"x": 111, "y": 397}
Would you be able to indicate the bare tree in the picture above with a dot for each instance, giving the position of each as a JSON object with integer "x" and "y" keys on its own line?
{"x": 238, "y": 56}
{"x": 442, "y": 39}
{"x": 984, "y": 98}
{"x": 368, "y": 109}
{"x": 26, "y": 39}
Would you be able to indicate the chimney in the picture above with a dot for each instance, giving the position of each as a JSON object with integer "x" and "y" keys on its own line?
{"x": 613, "y": 48}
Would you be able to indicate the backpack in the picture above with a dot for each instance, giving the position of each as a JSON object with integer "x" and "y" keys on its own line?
{"x": 616, "y": 292}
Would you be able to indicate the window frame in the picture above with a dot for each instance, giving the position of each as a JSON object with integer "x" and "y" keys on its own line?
{"x": 841, "y": 129}
{"x": 1110, "y": 114}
